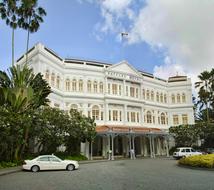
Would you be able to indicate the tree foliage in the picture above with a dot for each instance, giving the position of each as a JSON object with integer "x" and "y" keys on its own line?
{"x": 206, "y": 94}
{"x": 185, "y": 135}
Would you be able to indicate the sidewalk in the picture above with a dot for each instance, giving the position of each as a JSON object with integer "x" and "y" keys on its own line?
{"x": 6, "y": 171}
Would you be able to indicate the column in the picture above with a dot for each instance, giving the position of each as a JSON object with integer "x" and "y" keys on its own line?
{"x": 150, "y": 146}
{"x": 167, "y": 146}
{"x": 82, "y": 148}
{"x": 125, "y": 114}
{"x": 133, "y": 146}
{"x": 158, "y": 146}
{"x": 112, "y": 147}
{"x": 130, "y": 146}
{"x": 106, "y": 113}
{"x": 106, "y": 86}
{"x": 87, "y": 149}
{"x": 153, "y": 146}
{"x": 141, "y": 116}
{"x": 124, "y": 88}
{"x": 109, "y": 146}
{"x": 91, "y": 156}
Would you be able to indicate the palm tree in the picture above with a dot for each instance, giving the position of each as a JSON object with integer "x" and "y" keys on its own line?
{"x": 8, "y": 12}
{"x": 30, "y": 18}
{"x": 204, "y": 90}
{"x": 21, "y": 92}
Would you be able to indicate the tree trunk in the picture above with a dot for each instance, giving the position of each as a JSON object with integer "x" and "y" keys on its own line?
{"x": 28, "y": 36}
{"x": 28, "y": 39}
{"x": 208, "y": 117}
{"x": 16, "y": 154}
{"x": 25, "y": 141}
{"x": 12, "y": 46}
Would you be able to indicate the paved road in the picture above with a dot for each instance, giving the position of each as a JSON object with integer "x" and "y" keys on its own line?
{"x": 145, "y": 174}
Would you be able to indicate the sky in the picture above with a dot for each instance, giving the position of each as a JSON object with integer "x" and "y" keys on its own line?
{"x": 165, "y": 37}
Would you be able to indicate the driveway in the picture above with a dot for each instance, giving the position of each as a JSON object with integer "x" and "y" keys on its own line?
{"x": 142, "y": 174}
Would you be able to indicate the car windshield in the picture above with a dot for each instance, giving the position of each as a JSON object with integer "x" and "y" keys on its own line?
{"x": 178, "y": 149}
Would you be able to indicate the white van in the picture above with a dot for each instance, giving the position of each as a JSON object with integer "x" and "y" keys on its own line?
{"x": 185, "y": 152}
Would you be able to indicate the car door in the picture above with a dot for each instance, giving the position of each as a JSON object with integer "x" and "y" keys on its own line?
{"x": 56, "y": 164}
{"x": 44, "y": 163}
{"x": 188, "y": 152}
{"x": 182, "y": 152}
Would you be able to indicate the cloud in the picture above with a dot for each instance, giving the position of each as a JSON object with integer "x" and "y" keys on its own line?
{"x": 168, "y": 69}
{"x": 182, "y": 29}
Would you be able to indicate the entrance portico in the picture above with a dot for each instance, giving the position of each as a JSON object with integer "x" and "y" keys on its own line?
{"x": 120, "y": 141}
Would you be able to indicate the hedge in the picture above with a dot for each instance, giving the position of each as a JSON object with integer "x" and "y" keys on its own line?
{"x": 204, "y": 161}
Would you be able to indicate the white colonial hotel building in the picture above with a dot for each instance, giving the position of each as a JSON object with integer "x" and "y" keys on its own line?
{"x": 132, "y": 109}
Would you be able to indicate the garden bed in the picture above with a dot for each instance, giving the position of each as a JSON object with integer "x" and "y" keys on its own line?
{"x": 199, "y": 161}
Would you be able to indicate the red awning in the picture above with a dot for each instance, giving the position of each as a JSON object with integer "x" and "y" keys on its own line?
{"x": 126, "y": 129}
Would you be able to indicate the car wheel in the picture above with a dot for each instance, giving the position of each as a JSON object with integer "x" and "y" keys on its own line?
{"x": 70, "y": 167}
{"x": 35, "y": 168}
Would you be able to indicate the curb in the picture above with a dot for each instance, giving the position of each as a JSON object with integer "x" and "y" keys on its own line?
{"x": 195, "y": 168}
{"x": 10, "y": 170}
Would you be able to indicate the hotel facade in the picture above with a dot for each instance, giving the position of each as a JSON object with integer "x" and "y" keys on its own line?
{"x": 133, "y": 110}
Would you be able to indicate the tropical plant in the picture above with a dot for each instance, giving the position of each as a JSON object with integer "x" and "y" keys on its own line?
{"x": 20, "y": 95}
{"x": 30, "y": 18}
{"x": 205, "y": 93}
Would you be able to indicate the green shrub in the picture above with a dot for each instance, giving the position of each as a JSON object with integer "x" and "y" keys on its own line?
{"x": 7, "y": 164}
{"x": 204, "y": 161}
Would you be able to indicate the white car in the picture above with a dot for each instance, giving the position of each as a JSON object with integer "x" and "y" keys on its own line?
{"x": 185, "y": 152}
{"x": 49, "y": 162}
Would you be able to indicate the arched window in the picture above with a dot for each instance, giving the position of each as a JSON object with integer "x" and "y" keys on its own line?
{"x": 101, "y": 87}
{"x": 74, "y": 107}
{"x": 95, "y": 112}
{"x": 52, "y": 79}
{"x": 165, "y": 98}
{"x": 148, "y": 117}
{"x": 178, "y": 98}
{"x": 89, "y": 86}
{"x": 143, "y": 93}
{"x": 152, "y": 95}
{"x": 58, "y": 82}
{"x": 47, "y": 75}
{"x": 74, "y": 85}
{"x": 161, "y": 97}
{"x": 183, "y": 98}
{"x": 95, "y": 86}
{"x": 67, "y": 85}
{"x": 173, "y": 98}
{"x": 157, "y": 97}
{"x": 147, "y": 95}
{"x": 163, "y": 119}
{"x": 80, "y": 85}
